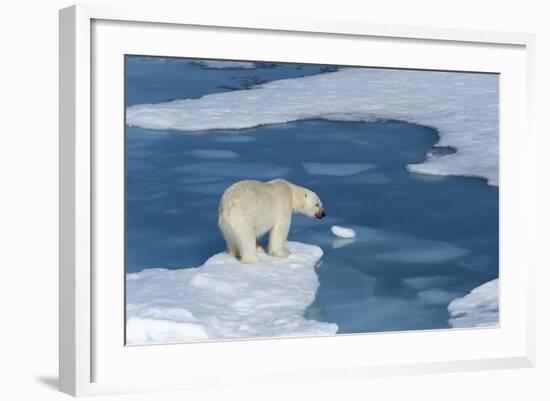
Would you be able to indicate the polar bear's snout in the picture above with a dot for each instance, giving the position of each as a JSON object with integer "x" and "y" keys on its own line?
{"x": 320, "y": 214}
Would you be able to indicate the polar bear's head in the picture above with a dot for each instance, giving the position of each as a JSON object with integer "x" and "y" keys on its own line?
{"x": 307, "y": 202}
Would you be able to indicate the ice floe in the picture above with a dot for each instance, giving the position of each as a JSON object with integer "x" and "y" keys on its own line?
{"x": 213, "y": 153}
{"x": 224, "y": 299}
{"x": 463, "y": 107}
{"x": 478, "y": 308}
{"x": 336, "y": 169}
{"x": 440, "y": 253}
{"x": 216, "y": 64}
{"x": 369, "y": 178}
{"x": 256, "y": 170}
{"x": 343, "y": 232}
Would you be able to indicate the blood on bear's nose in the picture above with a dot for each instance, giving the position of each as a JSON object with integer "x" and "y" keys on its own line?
{"x": 320, "y": 214}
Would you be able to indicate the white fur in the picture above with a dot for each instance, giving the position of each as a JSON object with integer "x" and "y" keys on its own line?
{"x": 249, "y": 209}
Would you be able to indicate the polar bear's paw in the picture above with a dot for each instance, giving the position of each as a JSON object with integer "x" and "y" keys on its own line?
{"x": 280, "y": 253}
{"x": 250, "y": 259}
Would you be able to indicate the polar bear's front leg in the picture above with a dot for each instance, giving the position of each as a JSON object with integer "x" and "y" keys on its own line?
{"x": 277, "y": 239}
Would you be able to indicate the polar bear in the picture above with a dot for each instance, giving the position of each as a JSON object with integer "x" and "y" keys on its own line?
{"x": 249, "y": 209}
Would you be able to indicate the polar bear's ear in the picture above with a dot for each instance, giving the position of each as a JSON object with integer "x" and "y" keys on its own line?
{"x": 305, "y": 195}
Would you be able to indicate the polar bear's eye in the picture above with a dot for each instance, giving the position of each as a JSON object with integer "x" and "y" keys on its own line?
{"x": 317, "y": 205}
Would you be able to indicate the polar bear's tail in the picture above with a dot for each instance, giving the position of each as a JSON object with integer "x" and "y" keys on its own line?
{"x": 231, "y": 238}
{"x": 224, "y": 210}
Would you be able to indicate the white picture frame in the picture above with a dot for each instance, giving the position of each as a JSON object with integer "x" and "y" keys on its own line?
{"x": 92, "y": 352}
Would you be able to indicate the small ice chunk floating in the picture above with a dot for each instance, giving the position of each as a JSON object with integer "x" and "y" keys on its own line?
{"x": 342, "y": 232}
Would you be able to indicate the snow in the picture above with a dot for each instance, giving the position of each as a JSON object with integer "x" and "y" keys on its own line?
{"x": 336, "y": 169}
{"x": 463, "y": 107}
{"x": 478, "y": 308}
{"x": 342, "y": 232}
{"x": 225, "y": 299}
{"x": 213, "y": 64}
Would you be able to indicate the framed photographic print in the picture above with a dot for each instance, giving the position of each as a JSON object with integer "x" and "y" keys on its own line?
{"x": 269, "y": 200}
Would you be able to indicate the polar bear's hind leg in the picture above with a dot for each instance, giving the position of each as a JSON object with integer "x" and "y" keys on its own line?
{"x": 230, "y": 238}
{"x": 247, "y": 247}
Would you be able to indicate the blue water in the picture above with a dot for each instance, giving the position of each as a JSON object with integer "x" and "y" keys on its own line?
{"x": 159, "y": 79}
{"x": 421, "y": 240}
